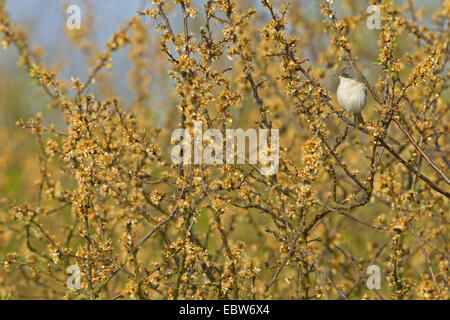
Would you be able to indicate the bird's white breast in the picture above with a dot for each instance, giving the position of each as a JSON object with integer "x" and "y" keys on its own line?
{"x": 351, "y": 95}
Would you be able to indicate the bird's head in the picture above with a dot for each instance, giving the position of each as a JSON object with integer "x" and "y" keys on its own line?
{"x": 350, "y": 72}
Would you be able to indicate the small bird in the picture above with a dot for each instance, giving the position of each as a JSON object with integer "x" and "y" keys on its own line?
{"x": 351, "y": 92}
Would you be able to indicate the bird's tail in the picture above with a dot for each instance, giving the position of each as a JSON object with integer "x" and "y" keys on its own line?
{"x": 359, "y": 119}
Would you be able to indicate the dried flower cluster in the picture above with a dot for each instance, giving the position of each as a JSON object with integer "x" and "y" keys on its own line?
{"x": 107, "y": 198}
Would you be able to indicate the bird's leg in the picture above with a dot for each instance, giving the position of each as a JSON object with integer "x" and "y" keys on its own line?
{"x": 358, "y": 119}
{"x": 355, "y": 117}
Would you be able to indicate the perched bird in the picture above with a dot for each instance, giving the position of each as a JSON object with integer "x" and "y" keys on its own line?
{"x": 351, "y": 92}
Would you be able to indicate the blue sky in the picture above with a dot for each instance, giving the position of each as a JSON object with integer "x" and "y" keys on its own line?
{"x": 47, "y": 17}
{"x": 45, "y": 22}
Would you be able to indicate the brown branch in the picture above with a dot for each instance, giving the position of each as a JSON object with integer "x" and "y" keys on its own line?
{"x": 431, "y": 163}
{"x": 427, "y": 258}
